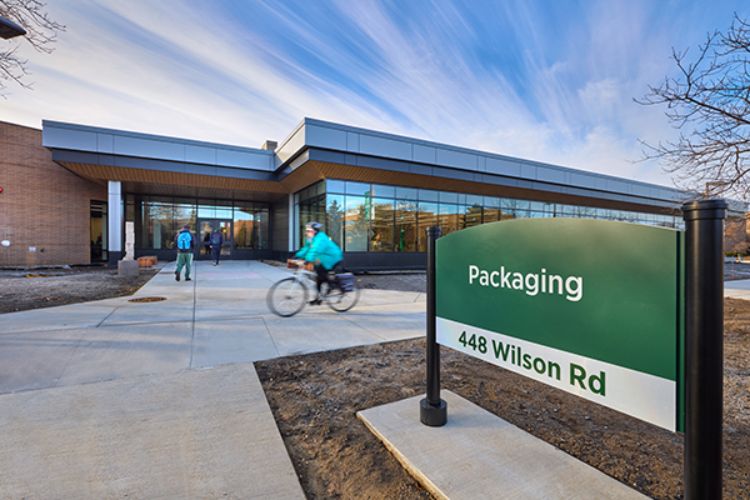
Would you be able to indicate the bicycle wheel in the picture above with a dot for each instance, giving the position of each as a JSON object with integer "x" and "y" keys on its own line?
{"x": 342, "y": 301}
{"x": 287, "y": 297}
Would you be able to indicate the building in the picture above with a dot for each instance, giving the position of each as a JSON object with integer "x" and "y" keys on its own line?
{"x": 75, "y": 194}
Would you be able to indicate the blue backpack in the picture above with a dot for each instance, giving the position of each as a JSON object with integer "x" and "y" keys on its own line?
{"x": 216, "y": 239}
{"x": 184, "y": 240}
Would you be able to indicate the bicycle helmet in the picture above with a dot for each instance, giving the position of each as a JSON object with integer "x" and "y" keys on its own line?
{"x": 315, "y": 226}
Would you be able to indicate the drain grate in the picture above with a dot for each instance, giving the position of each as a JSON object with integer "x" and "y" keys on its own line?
{"x": 147, "y": 299}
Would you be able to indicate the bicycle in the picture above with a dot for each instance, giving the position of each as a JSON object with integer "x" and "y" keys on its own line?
{"x": 289, "y": 296}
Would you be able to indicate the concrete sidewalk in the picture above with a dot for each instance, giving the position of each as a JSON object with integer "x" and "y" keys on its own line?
{"x": 114, "y": 398}
{"x": 737, "y": 289}
{"x": 220, "y": 317}
{"x": 194, "y": 434}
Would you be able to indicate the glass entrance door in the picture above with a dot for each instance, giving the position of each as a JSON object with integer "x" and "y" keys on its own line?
{"x": 205, "y": 228}
{"x": 98, "y": 231}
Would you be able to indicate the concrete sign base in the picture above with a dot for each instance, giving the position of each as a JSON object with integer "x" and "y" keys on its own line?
{"x": 479, "y": 455}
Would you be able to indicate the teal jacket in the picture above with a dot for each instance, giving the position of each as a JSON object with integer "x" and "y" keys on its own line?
{"x": 321, "y": 248}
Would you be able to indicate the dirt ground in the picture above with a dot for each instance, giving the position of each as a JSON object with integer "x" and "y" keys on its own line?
{"x": 32, "y": 289}
{"x": 314, "y": 399}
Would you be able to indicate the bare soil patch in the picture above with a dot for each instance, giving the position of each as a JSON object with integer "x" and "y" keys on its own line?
{"x": 32, "y": 289}
{"x": 314, "y": 399}
{"x": 401, "y": 281}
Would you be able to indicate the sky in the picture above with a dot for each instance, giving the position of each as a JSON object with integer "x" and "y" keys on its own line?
{"x": 552, "y": 81}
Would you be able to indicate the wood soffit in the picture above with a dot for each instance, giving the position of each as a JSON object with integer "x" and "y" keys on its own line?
{"x": 314, "y": 171}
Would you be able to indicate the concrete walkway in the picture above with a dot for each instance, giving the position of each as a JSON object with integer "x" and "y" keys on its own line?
{"x": 220, "y": 317}
{"x": 737, "y": 289}
{"x": 114, "y": 398}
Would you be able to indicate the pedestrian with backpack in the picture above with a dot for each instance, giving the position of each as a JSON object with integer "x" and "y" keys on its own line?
{"x": 184, "y": 244}
{"x": 217, "y": 239}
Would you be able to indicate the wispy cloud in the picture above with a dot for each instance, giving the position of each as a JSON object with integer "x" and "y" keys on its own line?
{"x": 551, "y": 81}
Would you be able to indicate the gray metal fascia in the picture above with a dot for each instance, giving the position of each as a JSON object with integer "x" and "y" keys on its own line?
{"x": 119, "y": 161}
{"x": 642, "y": 189}
{"x": 68, "y": 136}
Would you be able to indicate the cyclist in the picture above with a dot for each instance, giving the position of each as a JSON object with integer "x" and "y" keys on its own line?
{"x": 321, "y": 251}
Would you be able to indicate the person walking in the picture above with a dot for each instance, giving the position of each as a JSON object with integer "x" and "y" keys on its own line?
{"x": 217, "y": 239}
{"x": 207, "y": 244}
{"x": 184, "y": 244}
{"x": 321, "y": 251}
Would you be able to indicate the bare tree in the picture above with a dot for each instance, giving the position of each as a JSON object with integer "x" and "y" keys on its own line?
{"x": 709, "y": 102}
{"x": 41, "y": 33}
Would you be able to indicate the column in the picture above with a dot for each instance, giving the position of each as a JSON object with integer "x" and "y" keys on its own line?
{"x": 114, "y": 221}
{"x": 292, "y": 228}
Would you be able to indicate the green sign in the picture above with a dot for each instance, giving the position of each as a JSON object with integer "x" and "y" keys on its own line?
{"x": 590, "y": 307}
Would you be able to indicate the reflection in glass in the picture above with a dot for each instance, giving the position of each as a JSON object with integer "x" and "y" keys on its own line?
{"x": 335, "y": 218}
{"x": 492, "y": 214}
{"x": 366, "y": 218}
{"x": 383, "y": 191}
{"x": 157, "y": 227}
{"x": 358, "y": 188}
{"x": 245, "y": 228}
{"x": 448, "y": 218}
{"x": 426, "y": 217}
{"x": 406, "y": 226}
{"x": 355, "y": 224}
{"x": 381, "y": 227}
{"x": 473, "y": 216}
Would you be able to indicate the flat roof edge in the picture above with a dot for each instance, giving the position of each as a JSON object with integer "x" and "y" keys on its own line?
{"x": 141, "y": 135}
{"x": 462, "y": 149}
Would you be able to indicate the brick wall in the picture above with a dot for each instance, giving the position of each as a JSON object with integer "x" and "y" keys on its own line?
{"x": 42, "y": 205}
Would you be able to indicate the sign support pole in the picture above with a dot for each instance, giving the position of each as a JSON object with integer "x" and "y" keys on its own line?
{"x": 433, "y": 411}
{"x": 704, "y": 337}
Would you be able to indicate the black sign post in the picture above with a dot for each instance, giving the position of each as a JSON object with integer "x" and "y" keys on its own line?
{"x": 704, "y": 341}
{"x": 433, "y": 411}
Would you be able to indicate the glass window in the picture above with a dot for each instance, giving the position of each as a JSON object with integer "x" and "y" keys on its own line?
{"x": 473, "y": 216}
{"x": 539, "y": 215}
{"x": 587, "y": 212}
{"x": 335, "y": 218}
{"x": 426, "y": 217}
{"x": 508, "y": 215}
{"x": 448, "y": 218}
{"x": 311, "y": 209}
{"x": 334, "y": 186}
{"x": 355, "y": 224}
{"x": 427, "y": 195}
{"x": 472, "y": 199}
{"x": 537, "y": 206}
{"x": 492, "y": 202}
{"x": 358, "y": 188}
{"x": 245, "y": 228}
{"x": 184, "y": 214}
{"x": 448, "y": 197}
{"x": 406, "y": 193}
{"x": 381, "y": 225}
{"x": 211, "y": 210}
{"x": 158, "y": 220}
{"x": 382, "y": 191}
{"x": 406, "y": 226}
{"x": 491, "y": 214}
{"x": 262, "y": 233}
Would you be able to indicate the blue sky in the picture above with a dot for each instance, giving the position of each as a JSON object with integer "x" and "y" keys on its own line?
{"x": 545, "y": 80}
